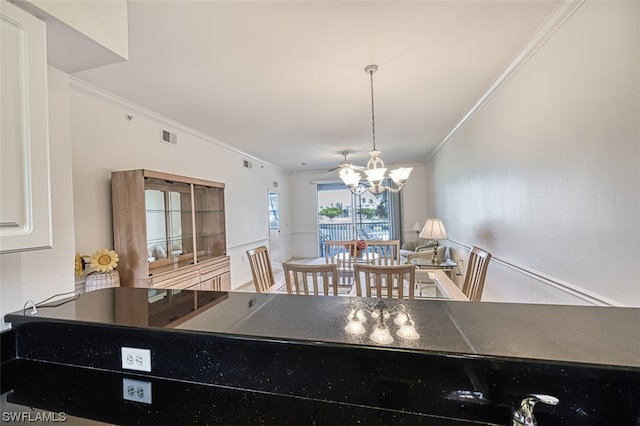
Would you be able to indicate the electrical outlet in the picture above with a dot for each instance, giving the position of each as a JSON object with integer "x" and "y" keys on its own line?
{"x": 136, "y": 390}
{"x": 136, "y": 359}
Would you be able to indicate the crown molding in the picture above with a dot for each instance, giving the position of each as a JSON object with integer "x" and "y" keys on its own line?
{"x": 95, "y": 92}
{"x": 552, "y": 23}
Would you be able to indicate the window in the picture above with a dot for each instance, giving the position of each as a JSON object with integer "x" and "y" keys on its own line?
{"x": 345, "y": 216}
{"x": 274, "y": 221}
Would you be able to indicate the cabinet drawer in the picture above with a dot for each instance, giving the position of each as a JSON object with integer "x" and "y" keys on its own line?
{"x": 179, "y": 282}
{"x": 213, "y": 265}
{"x": 211, "y": 275}
{"x": 214, "y": 268}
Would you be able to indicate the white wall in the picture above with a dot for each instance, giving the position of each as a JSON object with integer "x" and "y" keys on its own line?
{"x": 37, "y": 275}
{"x": 105, "y": 139}
{"x": 304, "y": 226}
{"x": 414, "y": 202}
{"x": 545, "y": 176}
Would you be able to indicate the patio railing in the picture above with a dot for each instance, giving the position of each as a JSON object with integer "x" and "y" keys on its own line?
{"x": 367, "y": 230}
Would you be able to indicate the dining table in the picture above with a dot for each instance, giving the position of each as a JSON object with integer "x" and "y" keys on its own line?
{"x": 429, "y": 284}
{"x": 446, "y": 265}
{"x": 364, "y": 257}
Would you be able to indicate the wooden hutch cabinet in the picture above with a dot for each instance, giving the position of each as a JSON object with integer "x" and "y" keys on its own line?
{"x": 169, "y": 231}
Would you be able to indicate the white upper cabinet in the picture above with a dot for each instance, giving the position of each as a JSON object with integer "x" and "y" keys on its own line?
{"x": 25, "y": 205}
{"x": 83, "y": 34}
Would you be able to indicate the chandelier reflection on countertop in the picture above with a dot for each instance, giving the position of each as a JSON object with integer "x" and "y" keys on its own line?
{"x": 380, "y": 313}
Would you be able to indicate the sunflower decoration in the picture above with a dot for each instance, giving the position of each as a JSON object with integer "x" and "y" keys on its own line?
{"x": 81, "y": 264}
{"x": 104, "y": 260}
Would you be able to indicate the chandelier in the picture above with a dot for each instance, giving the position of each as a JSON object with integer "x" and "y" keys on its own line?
{"x": 376, "y": 172}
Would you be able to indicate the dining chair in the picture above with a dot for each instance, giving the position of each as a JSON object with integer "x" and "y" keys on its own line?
{"x": 392, "y": 281}
{"x": 383, "y": 252}
{"x": 311, "y": 279}
{"x": 261, "y": 270}
{"x": 339, "y": 253}
{"x": 476, "y": 272}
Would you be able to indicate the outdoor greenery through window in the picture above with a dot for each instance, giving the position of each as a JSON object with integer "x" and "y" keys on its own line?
{"x": 345, "y": 216}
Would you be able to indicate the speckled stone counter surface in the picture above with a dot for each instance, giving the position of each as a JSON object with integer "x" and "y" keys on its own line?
{"x": 74, "y": 394}
{"x": 472, "y": 362}
{"x": 578, "y": 334}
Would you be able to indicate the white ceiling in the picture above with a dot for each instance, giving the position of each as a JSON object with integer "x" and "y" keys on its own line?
{"x": 284, "y": 81}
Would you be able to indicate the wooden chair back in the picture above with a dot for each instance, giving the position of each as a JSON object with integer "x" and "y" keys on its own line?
{"x": 339, "y": 254}
{"x": 393, "y": 281}
{"x": 311, "y": 279}
{"x": 476, "y": 273}
{"x": 383, "y": 252}
{"x": 261, "y": 270}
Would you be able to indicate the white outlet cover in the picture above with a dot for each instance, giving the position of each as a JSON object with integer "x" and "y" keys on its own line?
{"x": 136, "y": 391}
{"x": 136, "y": 359}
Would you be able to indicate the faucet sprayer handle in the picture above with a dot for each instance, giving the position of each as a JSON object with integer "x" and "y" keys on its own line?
{"x": 523, "y": 416}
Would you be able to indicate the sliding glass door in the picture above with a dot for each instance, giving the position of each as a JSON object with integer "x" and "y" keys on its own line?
{"x": 345, "y": 216}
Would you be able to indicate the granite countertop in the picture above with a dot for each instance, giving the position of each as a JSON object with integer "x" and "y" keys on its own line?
{"x": 578, "y": 334}
{"x": 227, "y": 358}
{"x": 73, "y": 395}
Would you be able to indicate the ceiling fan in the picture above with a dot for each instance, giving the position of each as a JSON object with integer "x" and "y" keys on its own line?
{"x": 345, "y": 165}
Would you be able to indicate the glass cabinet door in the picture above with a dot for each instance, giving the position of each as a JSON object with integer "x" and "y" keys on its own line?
{"x": 156, "y": 225}
{"x": 209, "y": 220}
{"x": 169, "y": 222}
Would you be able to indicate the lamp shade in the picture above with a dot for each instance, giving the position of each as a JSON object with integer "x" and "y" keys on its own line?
{"x": 416, "y": 227}
{"x": 434, "y": 230}
{"x": 375, "y": 176}
{"x": 400, "y": 175}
